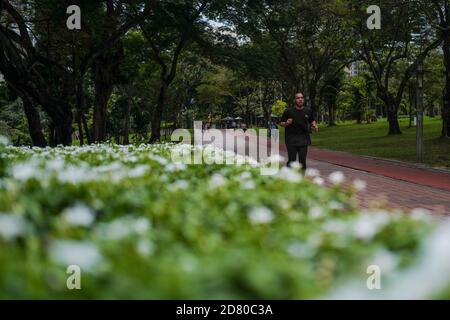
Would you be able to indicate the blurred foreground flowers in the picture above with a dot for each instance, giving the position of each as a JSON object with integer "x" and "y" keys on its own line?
{"x": 140, "y": 226}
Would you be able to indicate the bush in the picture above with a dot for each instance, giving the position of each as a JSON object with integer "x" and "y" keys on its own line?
{"x": 140, "y": 226}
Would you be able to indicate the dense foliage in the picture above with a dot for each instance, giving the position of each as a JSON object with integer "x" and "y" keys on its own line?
{"x": 138, "y": 68}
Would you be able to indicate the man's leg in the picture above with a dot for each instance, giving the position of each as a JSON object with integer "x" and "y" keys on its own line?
{"x": 292, "y": 154}
{"x": 303, "y": 152}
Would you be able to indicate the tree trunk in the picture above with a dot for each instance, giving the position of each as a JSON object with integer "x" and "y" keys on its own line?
{"x": 157, "y": 114}
{"x": 446, "y": 105}
{"x": 63, "y": 128}
{"x": 51, "y": 134}
{"x": 412, "y": 103}
{"x": 86, "y": 129}
{"x": 81, "y": 103}
{"x": 103, "y": 91}
{"x": 394, "y": 127}
{"x": 331, "y": 117}
{"x": 359, "y": 118}
{"x": 267, "y": 115}
{"x": 312, "y": 98}
{"x": 126, "y": 130}
{"x": 60, "y": 128}
{"x": 392, "y": 114}
{"x": 34, "y": 123}
{"x": 431, "y": 112}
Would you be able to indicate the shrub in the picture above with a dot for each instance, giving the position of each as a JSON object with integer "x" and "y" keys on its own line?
{"x": 141, "y": 226}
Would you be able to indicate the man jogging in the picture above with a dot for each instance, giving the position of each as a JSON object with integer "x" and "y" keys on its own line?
{"x": 298, "y": 121}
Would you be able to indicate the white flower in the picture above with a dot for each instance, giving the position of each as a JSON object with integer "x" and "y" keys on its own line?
{"x": 365, "y": 229}
{"x": 81, "y": 253}
{"x": 312, "y": 173}
{"x": 368, "y": 225}
{"x": 180, "y": 185}
{"x": 252, "y": 161}
{"x": 138, "y": 171}
{"x": 212, "y": 154}
{"x": 115, "y": 230}
{"x": 230, "y": 157}
{"x": 316, "y": 213}
{"x": 4, "y": 141}
{"x": 75, "y": 175}
{"x": 188, "y": 263}
{"x": 124, "y": 227}
{"x": 428, "y": 276}
{"x": 261, "y": 215}
{"x": 161, "y": 160}
{"x": 132, "y": 159}
{"x": 245, "y": 175}
{"x": 334, "y": 226}
{"x": 284, "y": 204}
{"x": 290, "y": 175}
{"x": 145, "y": 247}
{"x": 276, "y": 158}
{"x": 56, "y": 164}
{"x": 178, "y": 166}
{"x": 141, "y": 225}
{"x": 337, "y": 177}
{"x": 315, "y": 240}
{"x": 385, "y": 260}
{"x": 319, "y": 181}
{"x": 424, "y": 279}
{"x": 421, "y": 214}
{"x": 359, "y": 185}
{"x": 79, "y": 215}
{"x": 24, "y": 171}
{"x": 295, "y": 165}
{"x": 248, "y": 185}
{"x": 112, "y": 167}
{"x": 11, "y": 226}
{"x": 336, "y": 205}
{"x": 300, "y": 250}
{"x": 217, "y": 180}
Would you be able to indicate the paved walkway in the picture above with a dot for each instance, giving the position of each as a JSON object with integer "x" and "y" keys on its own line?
{"x": 385, "y": 191}
{"x": 435, "y": 178}
{"x": 389, "y": 183}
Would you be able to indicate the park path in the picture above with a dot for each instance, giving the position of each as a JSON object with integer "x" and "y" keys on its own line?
{"x": 383, "y": 190}
{"x": 389, "y": 183}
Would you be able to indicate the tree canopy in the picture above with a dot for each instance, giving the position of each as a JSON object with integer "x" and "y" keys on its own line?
{"x": 136, "y": 68}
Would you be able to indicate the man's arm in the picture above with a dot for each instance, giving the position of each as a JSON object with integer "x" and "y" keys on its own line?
{"x": 314, "y": 121}
{"x": 285, "y": 120}
{"x": 287, "y": 123}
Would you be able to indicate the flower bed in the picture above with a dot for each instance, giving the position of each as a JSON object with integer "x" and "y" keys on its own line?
{"x": 140, "y": 226}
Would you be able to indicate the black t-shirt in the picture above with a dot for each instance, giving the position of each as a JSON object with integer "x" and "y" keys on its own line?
{"x": 298, "y": 133}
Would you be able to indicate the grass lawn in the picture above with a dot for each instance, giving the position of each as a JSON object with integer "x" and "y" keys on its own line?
{"x": 372, "y": 140}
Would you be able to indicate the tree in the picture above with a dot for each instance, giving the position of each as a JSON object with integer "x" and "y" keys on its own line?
{"x": 279, "y": 107}
{"x": 434, "y": 82}
{"x": 34, "y": 74}
{"x": 393, "y": 50}
{"x": 437, "y": 13}
{"x": 173, "y": 26}
{"x": 13, "y": 121}
{"x": 45, "y": 62}
{"x": 329, "y": 92}
{"x": 309, "y": 38}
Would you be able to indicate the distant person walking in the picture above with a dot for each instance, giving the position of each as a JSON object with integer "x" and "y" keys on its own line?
{"x": 298, "y": 122}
